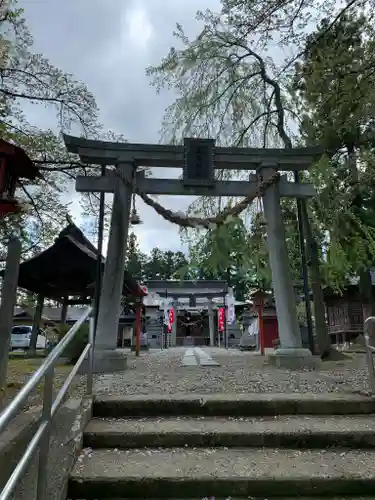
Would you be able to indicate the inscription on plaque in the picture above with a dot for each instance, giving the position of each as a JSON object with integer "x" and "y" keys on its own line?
{"x": 192, "y": 301}
{"x": 199, "y": 159}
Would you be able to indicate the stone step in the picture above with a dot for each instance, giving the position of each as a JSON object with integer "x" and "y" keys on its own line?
{"x": 283, "y": 431}
{"x": 236, "y": 405}
{"x": 219, "y": 472}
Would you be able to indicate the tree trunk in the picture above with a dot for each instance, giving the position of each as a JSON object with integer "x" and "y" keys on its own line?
{"x": 322, "y": 337}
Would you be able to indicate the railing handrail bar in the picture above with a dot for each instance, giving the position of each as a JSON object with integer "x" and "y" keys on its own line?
{"x": 17, "y": 403}
{"x": 64, "y": 389}
{"x": 23, "y": 463}
{"x": 370, "y": 319}
{"x": 370, "y": 350}
{"x": 50, "y": 408}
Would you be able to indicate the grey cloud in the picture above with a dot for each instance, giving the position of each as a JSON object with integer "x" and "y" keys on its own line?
{"x": 157, "y": 238}
{"x": 73, "y": 33}
{"x": 155, "y": 230}
{"x": 88, "y": 38}
{"x": 91, "y": 40}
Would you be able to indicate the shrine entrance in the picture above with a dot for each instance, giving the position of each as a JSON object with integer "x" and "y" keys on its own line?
{"x": 195, "y": 306}
{"x": 192, "y": 326}
{"x": 199, "y": 159}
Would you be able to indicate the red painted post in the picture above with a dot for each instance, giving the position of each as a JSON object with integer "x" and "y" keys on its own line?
{"x": 138, "y": 314}
{"x": 258, "y": 298}
{"x": 261, "y": 325}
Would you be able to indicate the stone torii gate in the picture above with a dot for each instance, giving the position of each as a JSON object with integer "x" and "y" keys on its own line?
{"x": 199, "y": 159}
{"x": 186, "y": 289}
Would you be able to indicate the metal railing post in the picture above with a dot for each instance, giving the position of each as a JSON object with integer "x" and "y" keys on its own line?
{"x": 45, "y": 441}
{"x": 90, "y": 366}
{"x": 371, "y": 369}
{"x": 369, "y": 353}
{"x": 42, "y": 437}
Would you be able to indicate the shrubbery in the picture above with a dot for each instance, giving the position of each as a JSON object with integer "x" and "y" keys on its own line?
{"x": 76, "y": 346}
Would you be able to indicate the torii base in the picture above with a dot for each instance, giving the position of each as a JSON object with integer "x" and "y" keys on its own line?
{"x": 107, "y": 361}
{"x": 294, "y": 359}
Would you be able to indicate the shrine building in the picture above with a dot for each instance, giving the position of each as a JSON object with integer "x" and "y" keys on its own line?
{"x": 196, "y": 305}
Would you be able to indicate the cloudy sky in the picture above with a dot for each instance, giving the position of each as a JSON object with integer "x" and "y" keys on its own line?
{"x": 108, "y": 44}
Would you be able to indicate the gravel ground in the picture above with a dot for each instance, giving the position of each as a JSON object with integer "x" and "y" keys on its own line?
{"x": 20, "y": 373}
{"x": 162, "y": 372}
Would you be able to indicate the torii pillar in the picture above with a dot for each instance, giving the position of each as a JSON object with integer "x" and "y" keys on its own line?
{"x": 290, "y": 354}
{"x": 107, "y": 358}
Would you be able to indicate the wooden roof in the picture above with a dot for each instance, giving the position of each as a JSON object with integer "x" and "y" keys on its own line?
{"x": 68, "y": 268}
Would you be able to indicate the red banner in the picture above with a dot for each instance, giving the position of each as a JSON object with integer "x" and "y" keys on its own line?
{"x": 171, "y": 319}
{"x": 221, "y": 318}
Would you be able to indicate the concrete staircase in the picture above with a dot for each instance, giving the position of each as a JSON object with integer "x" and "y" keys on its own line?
{"x": 239, "y": 446}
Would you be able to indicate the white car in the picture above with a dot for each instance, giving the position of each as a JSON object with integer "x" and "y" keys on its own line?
{"x": 21, "y": 335}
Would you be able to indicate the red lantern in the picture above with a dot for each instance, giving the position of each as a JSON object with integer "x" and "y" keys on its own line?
{"x": 14, "y": 164}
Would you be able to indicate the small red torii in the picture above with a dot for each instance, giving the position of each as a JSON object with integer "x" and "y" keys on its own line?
{"x": 14, "y": 165}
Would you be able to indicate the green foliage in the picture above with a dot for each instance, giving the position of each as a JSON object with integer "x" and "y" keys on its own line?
{"x": 334, "y": 82}
{"x": 159, "y": 265}
{"x": 337, "y": 82}
{"x": 228, "y": 89}
{"x": 229, "y": 252}
{"x": 164, "y": 265}
{"x": 135, "y": 259}
{"x": 239, "y": 254}
{"x": 76, "y": 346}
{"x": 220, "y": 83}
{"x": 222, "y": 245}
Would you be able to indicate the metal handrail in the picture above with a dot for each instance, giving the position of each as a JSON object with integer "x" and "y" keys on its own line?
{"x": 370, "y": 350}
{"x": 41, "y": 438}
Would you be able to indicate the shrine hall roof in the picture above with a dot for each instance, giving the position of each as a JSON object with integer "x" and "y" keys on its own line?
{"x": 68, "y": 268}
{"x": 198, "y": 288}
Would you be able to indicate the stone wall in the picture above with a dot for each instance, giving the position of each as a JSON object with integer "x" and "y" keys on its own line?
{"x": 66, "y": 444}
